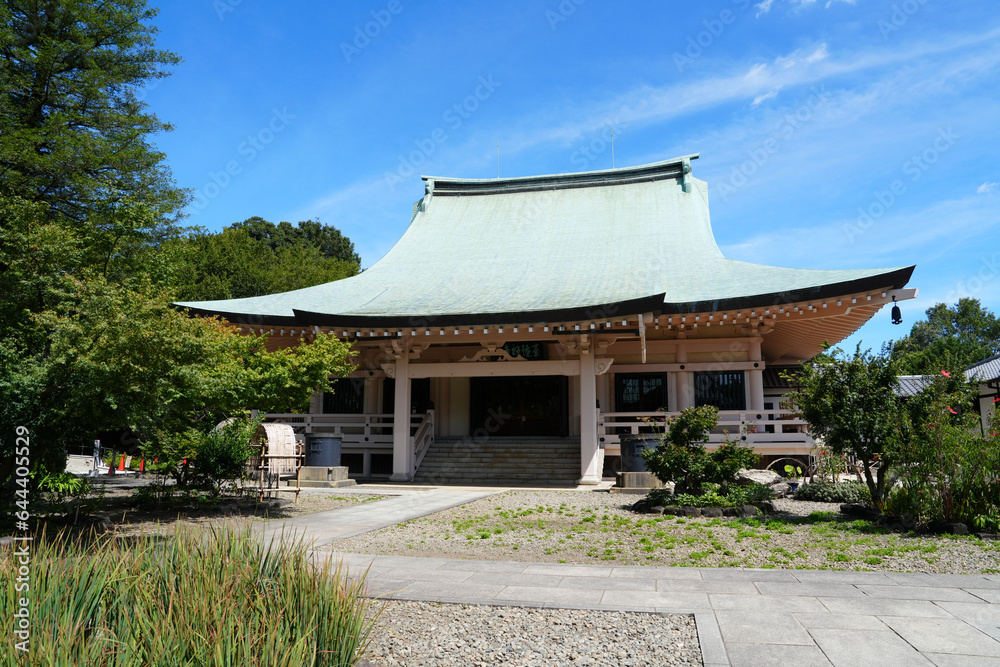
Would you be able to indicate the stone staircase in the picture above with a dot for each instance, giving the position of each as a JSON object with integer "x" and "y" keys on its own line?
{"x": 502, "y": 462}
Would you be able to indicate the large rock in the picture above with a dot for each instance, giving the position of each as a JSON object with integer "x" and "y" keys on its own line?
{"x": 765, "y": 477}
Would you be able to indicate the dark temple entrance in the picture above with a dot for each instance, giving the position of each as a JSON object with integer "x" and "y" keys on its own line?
{"x": 535, "y": 406}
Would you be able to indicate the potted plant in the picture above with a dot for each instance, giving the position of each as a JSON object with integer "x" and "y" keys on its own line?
{"x": 794, "y": 472}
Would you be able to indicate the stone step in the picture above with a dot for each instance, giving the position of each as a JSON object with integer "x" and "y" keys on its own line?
{"x": 503, "y": 463}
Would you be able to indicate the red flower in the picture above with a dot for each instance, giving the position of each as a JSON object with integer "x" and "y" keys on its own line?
{"x": 946, "y": 374}
{"x": 951, "y": 411}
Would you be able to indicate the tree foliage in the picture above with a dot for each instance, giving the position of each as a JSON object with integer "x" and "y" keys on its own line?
{"x": 952, "y": 337}
{"x": 73, "y": 132}
{"x": 850, "y": 402}
{"x": 948, "y": 462}
{"x": 331, "y": 243}
{"x": 240, "y": 262}
{"x": 681, "y": 456}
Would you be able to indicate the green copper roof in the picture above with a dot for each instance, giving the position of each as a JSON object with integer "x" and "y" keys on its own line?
{"x": 552, "y": 248}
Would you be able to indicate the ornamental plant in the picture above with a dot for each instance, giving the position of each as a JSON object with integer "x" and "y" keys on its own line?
{"x": 681, "y": 456}
{"x": 949, "y": 463}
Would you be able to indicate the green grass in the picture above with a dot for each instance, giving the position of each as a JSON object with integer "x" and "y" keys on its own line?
{"x": 192, "y": 598}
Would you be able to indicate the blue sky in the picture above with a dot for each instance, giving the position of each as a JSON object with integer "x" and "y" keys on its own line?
{"x": 840, "y": 134}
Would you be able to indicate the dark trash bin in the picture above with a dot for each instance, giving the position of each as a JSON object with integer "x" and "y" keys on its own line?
{"x": 323, "y": 451}
{"x": 632, "y": 446}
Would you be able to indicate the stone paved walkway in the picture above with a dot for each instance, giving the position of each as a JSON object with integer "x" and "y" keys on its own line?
{"x": 744, "y": 617}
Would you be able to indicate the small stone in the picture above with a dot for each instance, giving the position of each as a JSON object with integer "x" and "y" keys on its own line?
{"x": 656, "y": 509}
{"x": 713, "y": 512}
{"x": 692, "y": 511}
{"x": 958, "y": 529}
{"x": 748, "y": 511}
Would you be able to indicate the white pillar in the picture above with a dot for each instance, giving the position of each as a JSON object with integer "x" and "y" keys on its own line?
{"x": 403, "y": 459}
{"x": 590, "y": 459}
{"x": 756, "y": 377}
{"x": 684, "y": 381}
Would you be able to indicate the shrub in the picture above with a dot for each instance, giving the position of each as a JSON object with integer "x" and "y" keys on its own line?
{"x": 830, "y": 492}
{"x": 222, "y": 599}
{"x": 735, "y": 496}
{"x": 681, "y": 457}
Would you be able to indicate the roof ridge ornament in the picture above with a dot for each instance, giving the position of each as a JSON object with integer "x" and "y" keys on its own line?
{"x": 686, "y": 174}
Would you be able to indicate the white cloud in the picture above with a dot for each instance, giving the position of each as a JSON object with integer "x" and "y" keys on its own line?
{"x": 987, "y": 188}
{"x": 819, "y": 54}
{"x": 764, "y": 7}
{"x": 766, "y": 96}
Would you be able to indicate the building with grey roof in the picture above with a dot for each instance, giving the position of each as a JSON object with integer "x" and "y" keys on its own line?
{"x": 547, "y": 313}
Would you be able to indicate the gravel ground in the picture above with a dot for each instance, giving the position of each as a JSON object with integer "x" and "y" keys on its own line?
{"x": 593, "y": 527}
{"x": 419, "y": 633}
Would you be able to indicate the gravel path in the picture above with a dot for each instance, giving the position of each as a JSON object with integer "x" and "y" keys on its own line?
{"x": 420, "y": 633}
{"x": 589, "y": 527}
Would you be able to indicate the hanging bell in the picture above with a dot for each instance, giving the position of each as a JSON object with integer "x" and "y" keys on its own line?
{"x": 897, "y": 317}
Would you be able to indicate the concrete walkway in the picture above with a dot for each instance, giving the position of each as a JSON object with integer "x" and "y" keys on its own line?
{"x": 744, "y": 617}
{"x": 405, "y": 504}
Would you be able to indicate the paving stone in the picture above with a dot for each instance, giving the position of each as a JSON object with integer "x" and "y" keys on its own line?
{"x": 713, "y": 649}
{"x": 657, "y": 599}
{"x": 457, "y": 565}
{"x": 551, "y": 596}
{"x": 943, "y": 635}
{"x": 841, "y": 577}
{"x": 607, "y": 583}
{"x": 657, "y": 572}
{"x": 775, "y": 655}
{"x": 777, "y": 628}
{"x": 943, "y": 580}
{"x": 693, "y": 586}
{"x": 818, "y": 589}
{"x": 884, "y": 607}
{"x": 765, "y": 605}
{"x": 952, "y": 660}
{"x": 867, "y": 648}
{"x": 811, "y": 621}
{"x": 917, "y": 593}
{"x": 748, "y": 575}
{"x": 569, "y": 570}
{"x": 505, "y": 579}
{"x": 437, "y": 591}
{"x": 979, "y": 612}
{"x": 985, "y": 594}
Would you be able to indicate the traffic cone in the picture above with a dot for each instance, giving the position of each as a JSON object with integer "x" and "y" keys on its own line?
{"x": 142, "y": 464}
{"x": 121, "y": 464}
{"x": 111, "y": 467}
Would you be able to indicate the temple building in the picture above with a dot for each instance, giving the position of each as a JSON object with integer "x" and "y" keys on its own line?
{"x": 520, "y": 326}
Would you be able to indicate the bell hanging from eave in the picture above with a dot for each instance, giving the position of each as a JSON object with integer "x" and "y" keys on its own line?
{"x": 897, "y": 316}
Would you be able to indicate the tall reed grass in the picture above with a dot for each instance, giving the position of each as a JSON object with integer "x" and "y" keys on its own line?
{"x": 218, "y": 599}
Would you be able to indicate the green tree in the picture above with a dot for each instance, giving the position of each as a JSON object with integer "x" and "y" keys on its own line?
{"x": 952, "y": 337}
{"x": 331, "y": 243}
{"x": 234, "y": 264}
{"x": 681, "y": 456}
{"x": 73, "y": 132}
{"x": 118, "y": 357}
{"x": 850, "y": 402}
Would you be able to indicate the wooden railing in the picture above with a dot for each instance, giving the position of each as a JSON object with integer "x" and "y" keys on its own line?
{"x": 422, "y": 438}
{"x": 776, "y": 430}
{"x": 359, "y": 433}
